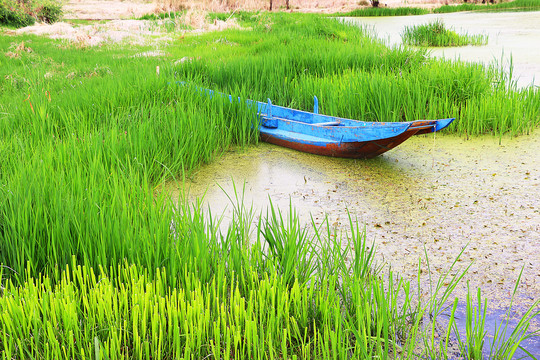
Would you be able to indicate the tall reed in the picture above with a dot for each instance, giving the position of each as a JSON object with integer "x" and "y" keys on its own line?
{"x": 355, "y": 76}
{"x": 385, "y": 11}
{"x": 516, "y": 5}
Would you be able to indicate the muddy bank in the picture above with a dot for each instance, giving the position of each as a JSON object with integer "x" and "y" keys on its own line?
{"x": 439, "y": 193}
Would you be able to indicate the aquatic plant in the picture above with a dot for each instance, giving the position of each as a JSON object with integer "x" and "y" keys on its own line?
{"x": 436, "y": 34}
{"x": 356, "y": 76}
{"x": 516, "y": 5}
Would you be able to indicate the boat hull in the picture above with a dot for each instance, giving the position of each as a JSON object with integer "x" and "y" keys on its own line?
{"x": 354, "y": 149}
{"x": 326, "y": 135}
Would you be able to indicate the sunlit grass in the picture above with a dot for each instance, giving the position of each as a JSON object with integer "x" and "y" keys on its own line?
{"x": 290, "y": 291}
{"x": 385, "y": 11}
{"x": 517, "y": 5}
{"x": 357, "y": 77}
{"x": 110, "y": 267}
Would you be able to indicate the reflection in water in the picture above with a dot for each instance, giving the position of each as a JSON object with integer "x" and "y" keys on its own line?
{"x": 513, "y": 38}
{"x": 495, "y": 322}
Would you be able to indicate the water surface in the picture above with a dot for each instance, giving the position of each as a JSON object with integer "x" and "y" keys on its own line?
{"x": 434, "y": 194}
{"x": 514, "y": 37}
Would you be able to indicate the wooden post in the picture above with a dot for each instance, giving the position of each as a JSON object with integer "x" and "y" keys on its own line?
{"x": 270, "y": 5}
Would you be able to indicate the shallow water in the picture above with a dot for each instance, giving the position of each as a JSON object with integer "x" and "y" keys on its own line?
{"x": 439, "y": 193}
{"x": 513, "y": 37}
{"x": 496, "y": 321}
{"x": 434, "y": 195}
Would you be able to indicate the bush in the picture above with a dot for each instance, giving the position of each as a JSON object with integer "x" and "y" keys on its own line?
{"x": 12, "y": 14}
{"x": 49, "y": 12}
{"x": 25, "y": 12}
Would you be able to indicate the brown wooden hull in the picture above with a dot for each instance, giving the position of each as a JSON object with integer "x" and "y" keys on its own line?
{"x": 354, "y": 150}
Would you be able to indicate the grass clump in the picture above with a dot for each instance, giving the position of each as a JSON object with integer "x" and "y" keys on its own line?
{"x": 435, "y": 34}
{"x": 14, "y": 14}
{"x": 516, "y": 5}
{"x": 356, "y": 76}
{"x": 18, "y": 14}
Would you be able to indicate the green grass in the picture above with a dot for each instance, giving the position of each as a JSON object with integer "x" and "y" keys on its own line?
{"x": 164, "y": 15}
{"x": 357, "y": 77}
{"x": 516, "y": 5}
{"x": 385, "y": 11}
{"x": 85, "y": 137}
{"x": 105, "y": 263}
{"x": 436, "y": 34}
{"x": 292, "y": 293}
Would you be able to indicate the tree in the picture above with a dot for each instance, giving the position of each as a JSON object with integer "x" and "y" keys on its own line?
{"x": 286, "y": 4}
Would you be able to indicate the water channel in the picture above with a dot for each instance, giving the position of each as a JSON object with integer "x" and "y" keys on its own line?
{"x": 433, "y": 194}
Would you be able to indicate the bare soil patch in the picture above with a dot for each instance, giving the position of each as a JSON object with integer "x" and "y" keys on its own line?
{"x": 123, "y": 29}
{"x": 106, "y": 10}
{"x": 123, "y": 26}
{"x": 136, "y": 32}
{"x": 110, "y": 10}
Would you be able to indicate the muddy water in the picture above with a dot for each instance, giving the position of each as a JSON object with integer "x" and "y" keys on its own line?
{"x": 439, "y": 193}
{"x": 513, "y": 36}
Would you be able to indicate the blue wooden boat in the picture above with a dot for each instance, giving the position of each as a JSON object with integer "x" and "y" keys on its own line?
{"x": 333, "y": 136}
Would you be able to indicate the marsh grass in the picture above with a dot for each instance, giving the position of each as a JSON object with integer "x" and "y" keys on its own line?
{"x": 517, "y": 5}
{"x": 224, "y": 296}
{"x": 384, "y": 11}
{"x": 85, "y": 138}
{"x": 436, "y": 34}
{"x": 96, "y": 264}
{"x": 355, "y": 76}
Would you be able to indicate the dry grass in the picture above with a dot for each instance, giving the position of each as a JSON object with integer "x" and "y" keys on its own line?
{"x": 322, "y": 6}
{"x": 198, "y": 20}
{"x": 213, "y": 5}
